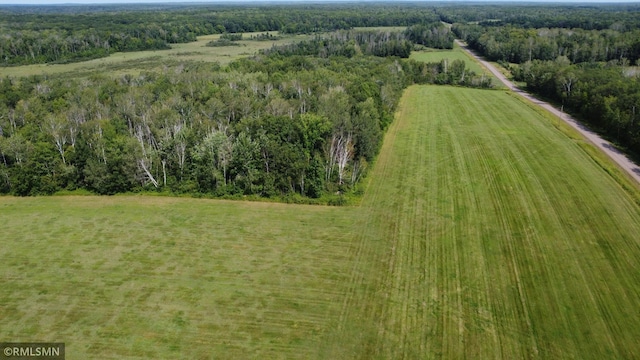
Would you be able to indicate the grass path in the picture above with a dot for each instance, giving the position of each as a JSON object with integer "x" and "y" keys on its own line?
{"x": 486, "y": 233}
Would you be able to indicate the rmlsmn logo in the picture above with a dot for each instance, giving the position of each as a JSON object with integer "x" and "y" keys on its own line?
{"x": 31, "y": 351}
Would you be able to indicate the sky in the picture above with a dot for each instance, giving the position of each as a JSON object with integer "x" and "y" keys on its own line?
{"x": 51, "y": 2}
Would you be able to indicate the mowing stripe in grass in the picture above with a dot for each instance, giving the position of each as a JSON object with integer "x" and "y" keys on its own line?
{"x": 489, "y": 234}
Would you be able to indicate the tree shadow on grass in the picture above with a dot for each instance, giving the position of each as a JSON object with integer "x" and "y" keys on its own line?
{"x": 612, "y": 148}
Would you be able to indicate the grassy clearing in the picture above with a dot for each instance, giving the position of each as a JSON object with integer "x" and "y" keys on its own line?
{"x": 487, "y": 233}
{"x": 166, "y": 278}
{"x": 134, "y": 62}
{"x": 437, "y": 55}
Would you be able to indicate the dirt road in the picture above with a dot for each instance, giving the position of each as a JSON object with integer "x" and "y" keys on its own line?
{"x": 608, "y": 148}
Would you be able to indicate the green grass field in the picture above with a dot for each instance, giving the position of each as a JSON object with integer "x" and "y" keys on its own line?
{"x": 491, "y": 234}
{"x": 484, "y": 232}
{"x": 163, "y": 278}
{"x": 437, "y": 55}
{"x": 134, "y": 62}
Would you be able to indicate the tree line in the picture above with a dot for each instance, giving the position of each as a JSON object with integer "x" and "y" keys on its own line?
{"x": 377, "y": 43}
{"x": 598, "y": 16}
{"x": 516, "y": 45}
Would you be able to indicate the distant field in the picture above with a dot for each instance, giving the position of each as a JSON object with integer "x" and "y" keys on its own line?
{"x": 489, "y": 234}
{"x": 162, "y": 278}
{"x": 437, "y": 55}
{"x": 134, "y": 62}
{"x": 484, "y": 233}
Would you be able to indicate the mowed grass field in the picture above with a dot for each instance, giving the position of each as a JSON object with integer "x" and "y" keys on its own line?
{"x": 163, "y": 278}
{"x": 484, "y": 232}
{"x": 487, "y": 233}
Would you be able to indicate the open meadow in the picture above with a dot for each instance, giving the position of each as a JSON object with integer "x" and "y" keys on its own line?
{"x": 136, "y": 61}
{"x": 484, "y": 232}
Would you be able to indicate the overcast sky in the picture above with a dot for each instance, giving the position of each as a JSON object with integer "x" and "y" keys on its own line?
{"x": 41, "y": 2}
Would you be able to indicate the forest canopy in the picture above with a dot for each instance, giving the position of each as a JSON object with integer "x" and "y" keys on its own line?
{"x": 59, "y": 34}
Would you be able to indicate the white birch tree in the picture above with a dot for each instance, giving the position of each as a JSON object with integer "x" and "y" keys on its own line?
{"x": 344, "y": 153}
{"x": 58, "y": 130}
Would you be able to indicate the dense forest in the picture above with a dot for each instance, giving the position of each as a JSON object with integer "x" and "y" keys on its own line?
{"x": 583, "y": 58}
{"x": 598, "y": 16}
